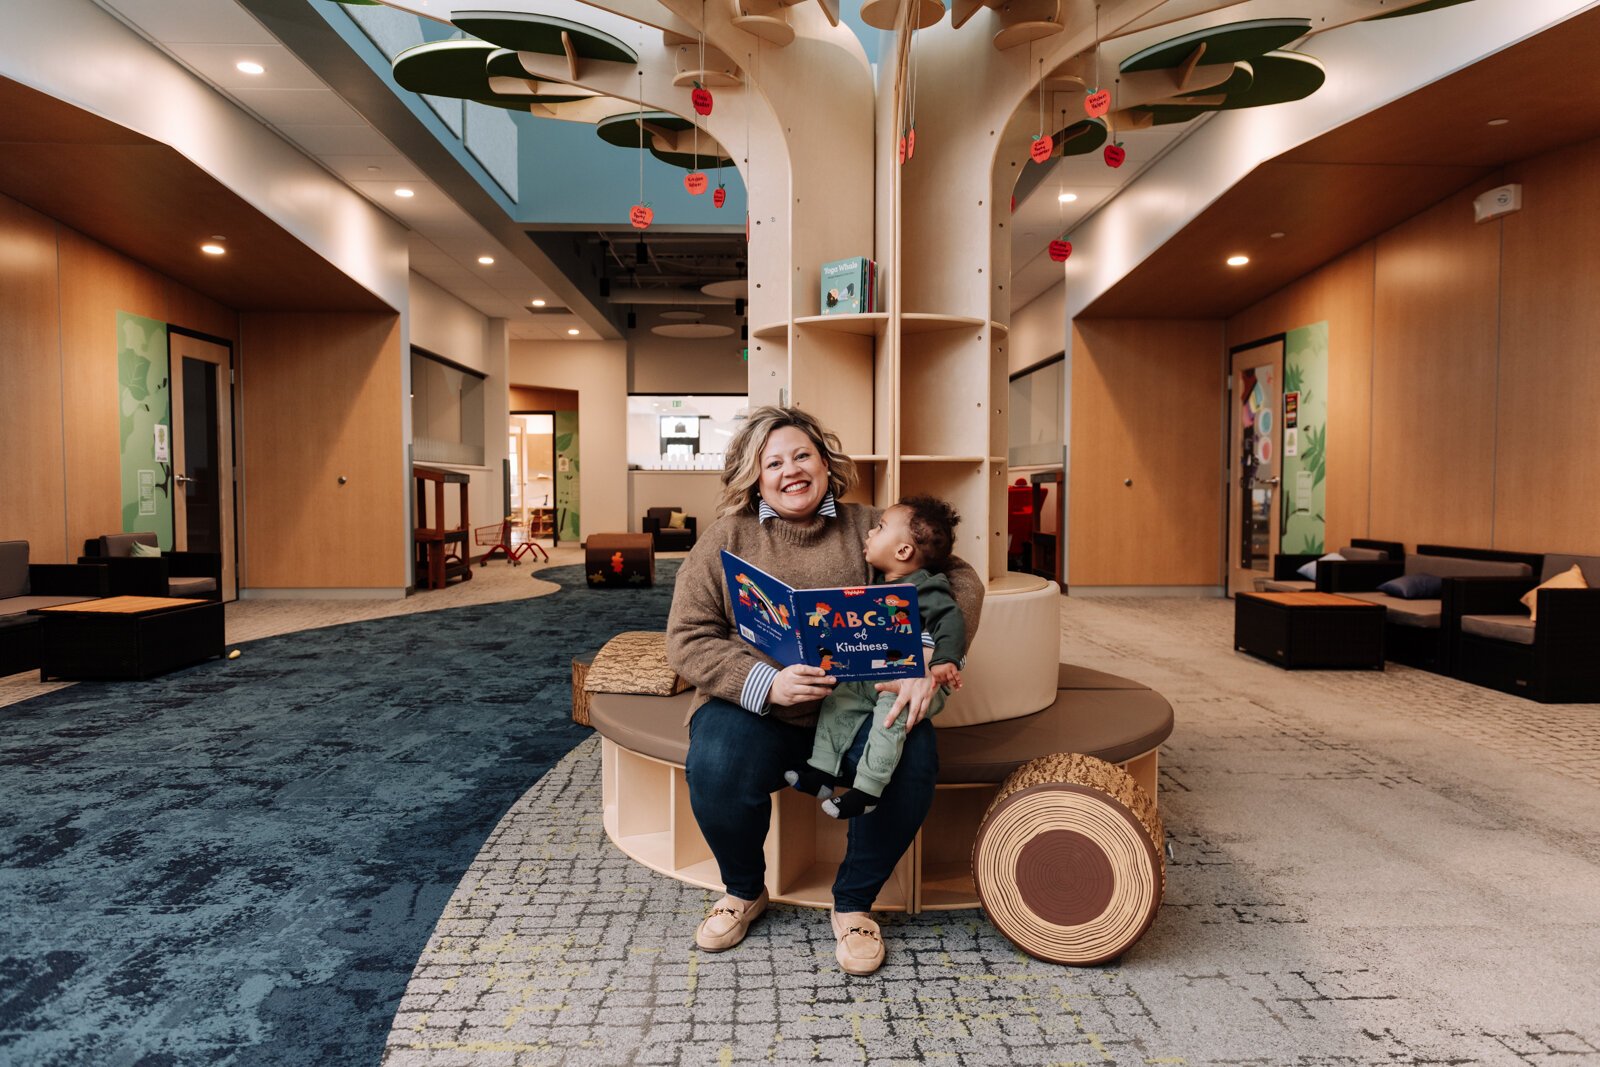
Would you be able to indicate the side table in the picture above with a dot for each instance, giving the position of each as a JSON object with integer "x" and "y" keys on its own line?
{"x": 127, "y": 637}
{"x": 1297, "y": 630}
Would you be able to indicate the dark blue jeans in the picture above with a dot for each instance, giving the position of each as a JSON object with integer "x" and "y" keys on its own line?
{"x": 736, "y": 761}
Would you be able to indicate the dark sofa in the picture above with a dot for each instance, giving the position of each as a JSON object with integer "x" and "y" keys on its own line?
{"x": 1286, "y": 565}
{"x": 1552, "y": 656}
{"x": 182, "y": 574}
{"x": 25, "y": 586}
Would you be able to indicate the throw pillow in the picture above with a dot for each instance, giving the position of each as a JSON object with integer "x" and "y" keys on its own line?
{"x": 1309, "y": 571}
{"x": 1413, "y": 586}
{"x": 1572, "y": 578}
{"x": 142, "y": 549}
{"x": 677, "y": 520}
{"x": 634, "y": 662}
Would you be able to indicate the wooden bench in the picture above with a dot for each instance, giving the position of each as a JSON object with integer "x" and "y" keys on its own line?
{"x": 644, "y": 742}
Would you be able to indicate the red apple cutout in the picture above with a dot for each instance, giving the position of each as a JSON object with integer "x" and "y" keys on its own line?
{"x": 911, "y": 143}
{"x": 719, "y": 196}
{"x": 640, "y": 216}
{"x": 1041, "y": 149}
{"x": 900, "y": 152}
{"x": 1060, "y": 250}
{"x": 1115, "y": 154}
{"x": 695, "y": 182}
{"x": 1097, "y": 103}
{"x": 701, "y": 98}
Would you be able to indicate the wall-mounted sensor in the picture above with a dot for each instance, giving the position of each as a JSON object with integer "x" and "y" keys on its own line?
{"x": 1501, "y": 200}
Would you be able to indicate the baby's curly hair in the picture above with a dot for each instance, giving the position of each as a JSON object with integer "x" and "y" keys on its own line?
{"x": 933, "y": 524}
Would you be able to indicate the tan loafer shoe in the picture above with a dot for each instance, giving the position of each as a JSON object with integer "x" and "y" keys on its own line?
{"x": 728, "y": 922}
{"x": 860, "y": 949}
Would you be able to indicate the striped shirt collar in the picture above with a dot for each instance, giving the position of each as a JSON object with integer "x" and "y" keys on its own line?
{"x": 828, "y": 508}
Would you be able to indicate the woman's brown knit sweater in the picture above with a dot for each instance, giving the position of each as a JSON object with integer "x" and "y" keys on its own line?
{"x": 702, "y": 645}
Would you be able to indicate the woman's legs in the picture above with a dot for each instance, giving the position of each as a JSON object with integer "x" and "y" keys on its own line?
{"x": 736, "y": 760}
{"x": 878, "y": 839}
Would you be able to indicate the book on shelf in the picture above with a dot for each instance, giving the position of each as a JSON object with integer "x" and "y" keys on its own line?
{"x": 855, "y": 633}
{"x": 849, "y": 286}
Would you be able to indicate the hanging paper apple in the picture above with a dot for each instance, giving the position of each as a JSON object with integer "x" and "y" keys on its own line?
{"x": 695, "y": 182}
{"x": 911, "y": 142}
{"x": 900, "y": 152}
{"x": 719, "y": 196}
{"x": 1013, "y": 203}
{"x": 1097, "y": 103}
{"x": 1040, "y": 150}
{"x": 701, "y": 98}
{"x": 1060, "y": 250}
{"x": 1115, "y": 154}
{"x": 640, "y": 216}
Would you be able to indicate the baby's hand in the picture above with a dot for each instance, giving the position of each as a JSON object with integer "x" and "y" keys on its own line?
{"x": 946, "y": 674}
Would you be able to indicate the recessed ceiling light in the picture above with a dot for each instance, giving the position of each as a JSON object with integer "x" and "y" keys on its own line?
{"x": 487, "y": 261}
{"x": 538, "y": 303}
{"x": 212, "y": 249}
{"x": 1498, "y": 122}
{"x": 572, "y": 333}
{"x": 249, "y": 66}
{"x": 405, "y": 194}
{"x": 1275, "y": 234}
{"x": 1238, "y": 261}
{"x": 1067, "y": 198}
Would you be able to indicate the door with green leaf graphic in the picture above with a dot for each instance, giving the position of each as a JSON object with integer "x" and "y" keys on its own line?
{"x": 1256, "y": 397}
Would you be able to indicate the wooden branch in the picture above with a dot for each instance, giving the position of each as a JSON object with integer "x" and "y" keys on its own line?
{"x": 572, "y": 54}
{"x": 1186, "y": 70}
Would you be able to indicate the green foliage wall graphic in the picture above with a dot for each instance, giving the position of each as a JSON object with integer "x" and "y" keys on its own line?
{"x": 1304, "y": 448}
{"x": 144, "y": 422}
{"x": 567, "y": 475}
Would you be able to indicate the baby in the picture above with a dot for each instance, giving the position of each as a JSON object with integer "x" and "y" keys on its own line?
{"x": 909, "y": 545}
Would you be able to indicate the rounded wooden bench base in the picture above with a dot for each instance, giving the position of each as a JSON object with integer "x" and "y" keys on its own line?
{"x": 646, "y": 798}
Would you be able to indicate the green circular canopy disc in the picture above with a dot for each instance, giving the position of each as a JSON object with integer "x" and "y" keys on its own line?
{"x": 1081, "y": 137}
{"x": 1415, "y": 9}
{"x": 1224, "y": 44}
{"x": 524, "y": 32}
{"x": 767, "y": 27}
{"x": 1279, "y": 77}
{"x": 503, "y": 63}
{"x": 1172, "y": 114}
{"x": 461, "y": 70}
{"x": 623, "y": 131}
{"x": 1239, "y": 81}
{"x": 706, "y": 160}
{"x": 880, "y": 14}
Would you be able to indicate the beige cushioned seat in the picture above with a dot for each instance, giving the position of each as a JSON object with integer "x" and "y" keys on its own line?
{"x": 1284, "y": 585}
{"x": 1518, "y": 628}
{"x": 1011, "y": 664}
{"x": 21, "y": 605}
{"x": 1453, "y": 567}
{"x": 1353, "y": 552}
{"x": 1423, "y": 614}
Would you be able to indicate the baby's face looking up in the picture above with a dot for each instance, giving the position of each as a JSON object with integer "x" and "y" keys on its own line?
{"x": 889, "y": 547}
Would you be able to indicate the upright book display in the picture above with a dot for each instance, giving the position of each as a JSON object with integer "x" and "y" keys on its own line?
{"x": 849, "y": 286}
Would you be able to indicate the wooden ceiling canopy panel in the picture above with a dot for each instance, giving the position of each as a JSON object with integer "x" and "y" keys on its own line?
{"x": 151, "y": 204}
{"x": 1353, "y": 183}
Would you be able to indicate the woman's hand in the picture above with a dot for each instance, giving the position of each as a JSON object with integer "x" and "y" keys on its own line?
{"x": 799, "y": 683}
{"x": 914, "y": 695}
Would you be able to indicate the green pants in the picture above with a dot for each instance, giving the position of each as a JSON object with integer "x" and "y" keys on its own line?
{"x": 839, "y": 721}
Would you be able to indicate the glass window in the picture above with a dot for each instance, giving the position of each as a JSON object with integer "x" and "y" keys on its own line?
{"x": 1037, "y": 424}
{"x": 681, "y": 432}
{"x": 446, "y": 411}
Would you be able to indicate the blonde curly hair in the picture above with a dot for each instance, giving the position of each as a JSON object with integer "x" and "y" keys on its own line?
{"x": 741, "y": 475}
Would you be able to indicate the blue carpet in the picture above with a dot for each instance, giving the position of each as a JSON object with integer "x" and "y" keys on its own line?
{"x": 241, "y": 862}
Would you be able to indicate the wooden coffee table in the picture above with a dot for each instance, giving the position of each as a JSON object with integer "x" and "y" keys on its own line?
{"x": 127, "y": 637}
{"x": 1297, "y": 630}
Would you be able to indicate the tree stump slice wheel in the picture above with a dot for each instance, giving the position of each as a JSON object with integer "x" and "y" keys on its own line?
{"x": 1068, "y": 860}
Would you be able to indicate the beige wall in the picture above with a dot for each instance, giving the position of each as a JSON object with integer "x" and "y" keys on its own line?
{"x": 692, "y": 492}
{"x": 1463, "y": 379}
{"x": 1038, "y": 329}
{"x": 598, "y": 372}
{"x": 59, "y": 298}
{"x": 669, "y": 365}
{"x": 1146, "y": 407}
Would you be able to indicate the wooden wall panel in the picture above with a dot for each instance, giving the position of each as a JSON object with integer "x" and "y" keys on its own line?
{"x": 534, "y": 398}
{"x": 32, "y": 485}
{"x": 320, "y": 398}
{"x": 1339, "y": 294}
{"x": 1547, "y": 485}
{"x": 96, "y": 283}
{"x": 192, "y": 311}
{"x": 1147, "y": 404}
{"x": 1433, "y": 377}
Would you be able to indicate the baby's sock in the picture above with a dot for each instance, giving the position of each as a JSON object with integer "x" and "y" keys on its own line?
{"x": 849, "y": 805}
{"x": 811, "y": 781}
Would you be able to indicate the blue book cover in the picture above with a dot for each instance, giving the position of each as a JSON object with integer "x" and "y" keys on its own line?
{"x": 855, "y": 633}
{"x": 844, "y": 286}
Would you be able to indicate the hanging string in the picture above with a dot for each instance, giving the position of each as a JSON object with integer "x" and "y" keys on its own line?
{"x": 640, "y": 123}
{"x": 1041, "y": 97}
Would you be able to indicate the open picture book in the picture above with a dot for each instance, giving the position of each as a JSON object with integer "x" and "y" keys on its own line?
{"x": 855, "y": 633}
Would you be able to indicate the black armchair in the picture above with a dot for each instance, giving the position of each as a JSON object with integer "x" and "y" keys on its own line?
{"x": 1286, "y": 577}
{"x": 1552, "y": 656}
{"x": 182, "y": 574}
{"x": 25, "y": 586}
{"x": 668, "y": 538}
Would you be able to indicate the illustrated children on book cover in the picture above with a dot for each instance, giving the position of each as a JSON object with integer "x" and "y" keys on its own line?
{"x": 910, "y": 544}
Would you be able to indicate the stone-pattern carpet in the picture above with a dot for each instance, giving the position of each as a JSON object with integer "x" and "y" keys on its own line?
{"x": 1370, "y": 868}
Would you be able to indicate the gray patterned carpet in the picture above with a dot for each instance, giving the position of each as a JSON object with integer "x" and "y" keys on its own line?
{"x": 1370, "y": 869}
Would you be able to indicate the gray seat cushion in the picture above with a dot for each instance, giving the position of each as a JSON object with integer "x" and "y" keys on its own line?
{"x": 1453, "y": 567}
{"x": 1352, "y": 552}
{"x": 1274, "y": 585}
{"x": 191, "y": 587}
{"x": 21, "y": 605}
{"x": 1555, "y": 564}
{"x": 1518, "y": 628}
{"x": 1423, "y": 614}
{"x": 13, "y": 568}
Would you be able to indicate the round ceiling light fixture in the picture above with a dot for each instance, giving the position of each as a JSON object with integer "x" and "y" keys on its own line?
{"x": 486, "y": 261}
{"x": 1237, "y": 261}
{"x": 249, "y": 66}
{"x": 683, "y": 316}
{"x": 728, "y": 289}
{"x": 572, "y": 333}
{"x": 1498, "y": 122}
{"x": 405, "y": 194}
{"x": 537, "y": 303}
{"x": 1067, "y": 198}
{"x": 1275, "y": 234}
{"x": 693, "y": 330}
{"x": 214, "y": 247}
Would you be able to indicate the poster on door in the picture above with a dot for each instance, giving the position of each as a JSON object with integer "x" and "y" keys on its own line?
{"x": 1305, "y": 425}
{"x": 144, "y": 426}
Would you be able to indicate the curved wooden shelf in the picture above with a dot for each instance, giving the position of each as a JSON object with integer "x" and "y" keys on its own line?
{"x": 999, "y": 328}
{"x": 769, "y": 29}
{"x": 924, "y": 322}
{"x": 1024, "y": 32}
{"x": 770, "y": 331}
{"x": 941, "y": 459}
{"x": 869, "y": 457}
{"x": 865, "y": 324}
